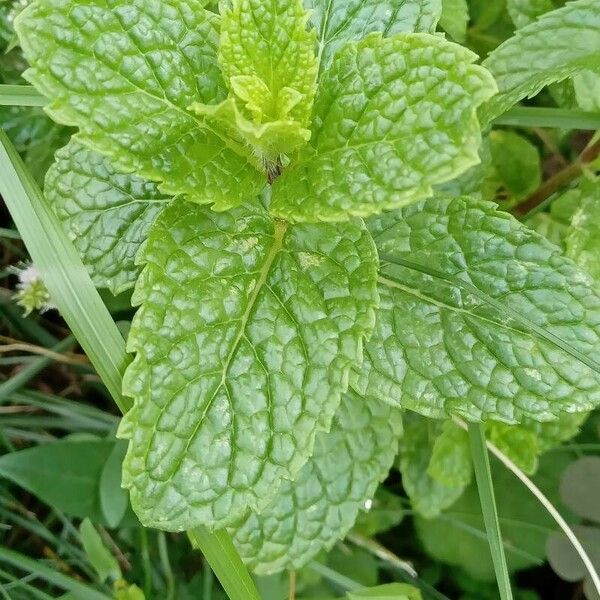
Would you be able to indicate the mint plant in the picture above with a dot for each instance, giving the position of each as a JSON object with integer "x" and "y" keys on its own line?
{"x": 296, "y": 192}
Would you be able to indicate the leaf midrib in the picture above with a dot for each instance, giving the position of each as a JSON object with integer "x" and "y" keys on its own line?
{"x": 280, "y": 228}
{"x": 530, "y": 327}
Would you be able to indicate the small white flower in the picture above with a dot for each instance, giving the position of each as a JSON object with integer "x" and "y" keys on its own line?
{"x": 31, "y": 291}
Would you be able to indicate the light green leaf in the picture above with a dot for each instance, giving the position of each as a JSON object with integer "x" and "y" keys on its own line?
{"x": 125, "y": 72}
{"x": 269, "y": 42}
{"x": 125, "y": 591}
{"x": 584, "y": 89}
{"x": 518, "y": 443}
{"x": 553, "y": 433}
{"x": 582, "y": 241}
{"x": 554, "y": 224}
{"x": 517, "y": 168}
{"x": 475, "y": 181}
{"x": 341, "y": 21}
{"x": 107, "y": 214}
{"x": 244, "y": 341}
{"x": 523, "y": 12}
{"x": 455, "y": 18}
{"x": 559, "y": 44}
{"x": 104, "y": 563}
{"x": 457, "y": 537}
{"x": 318, "y": 508}
{"x": 450, "y": 462}
{"x": 587, "y": 90}
{"x": 269, "y": 140}
{"x": 485, "y": 319}
{"x": 390, "y": 591}
{"x": 428, "y": 495}
{"x": 378, "y": 94}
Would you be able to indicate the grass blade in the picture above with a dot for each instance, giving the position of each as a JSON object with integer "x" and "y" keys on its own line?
{"x": 554, "y": 513}
{"x": 533, "y": 116}
{"x": 82, "y": 308}
{"x": 485, "y": 486}
{"x": 21, "y": 95}
{"x": 63, "y": 272}
{"x": 50, "y": 575}
{"x": 222, "y": 556}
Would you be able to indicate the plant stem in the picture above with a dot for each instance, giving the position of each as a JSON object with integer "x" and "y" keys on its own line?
{"x": 532, "y": 116}
{"x": 569, "y": 533}
{"x": 226, "y": 563}
{"x": 336, "y": 578}
{"x": 485, "y": 486}
{"x": 146, "y": 563}
{"x": 559, "y": 180}
{"x": 163, "y": 552}
{"x": 79, "y": 303}
{"x": 21, "y": 95}
{"x": 382, "y": 553}
{"x": 292, "y": 586}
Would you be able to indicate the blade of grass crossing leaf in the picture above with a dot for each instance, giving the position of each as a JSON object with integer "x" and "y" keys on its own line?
{"x": 218, "y": 549}
{"x": 50, "y": 575}
{"x": 82, "y": 308}
{"x": 569, "y": 533}
{"x": 533, "y": 116}
{"x": 483, "y": 475}
{"x": 21, "y": 95}
{"x": 65, "y": 276}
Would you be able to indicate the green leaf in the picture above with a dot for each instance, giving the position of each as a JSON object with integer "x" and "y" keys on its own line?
{"x": 107, "y": 214}
{"x": 516, "y": 163}
{"x": 269, "y": 140}
{"x": 559, "y": 44}
{"x": 386, "y": 511}
{"x": 34, "y": 135}
{"x": 114, "y": 500}
{"x": 582, "y": 240}
{"x": 63, "y": 474}
{"x": 390, "y": 591}
{"x": 104, "y": 563}
{"x": 480, "y": 317}
{"x": 584, "y": 89}
{"x": 341, "y": 21}
{"x": 455, "y": 18}
{"x": 554, "y": 224}
{"x": 580, "y": 487}
{"x": 518, "y": 443}
{"x": 379, "y": 93}
{"x": 563, "y": 557}
{"x": 268, "y": 42}
{"x": 128, "y": 592}
{"x": 125, "y": 73}
{"x": 450, "y": 462}
{"x": 318, "y": 508}
{"x": 244, "y": 341}
{"x": 457, "y": 537}
{"x": 553, "y": 433}
{"x": 429, "y": 496}
{"x": 587, "y": 90}
{"x": 523, "y": 12}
